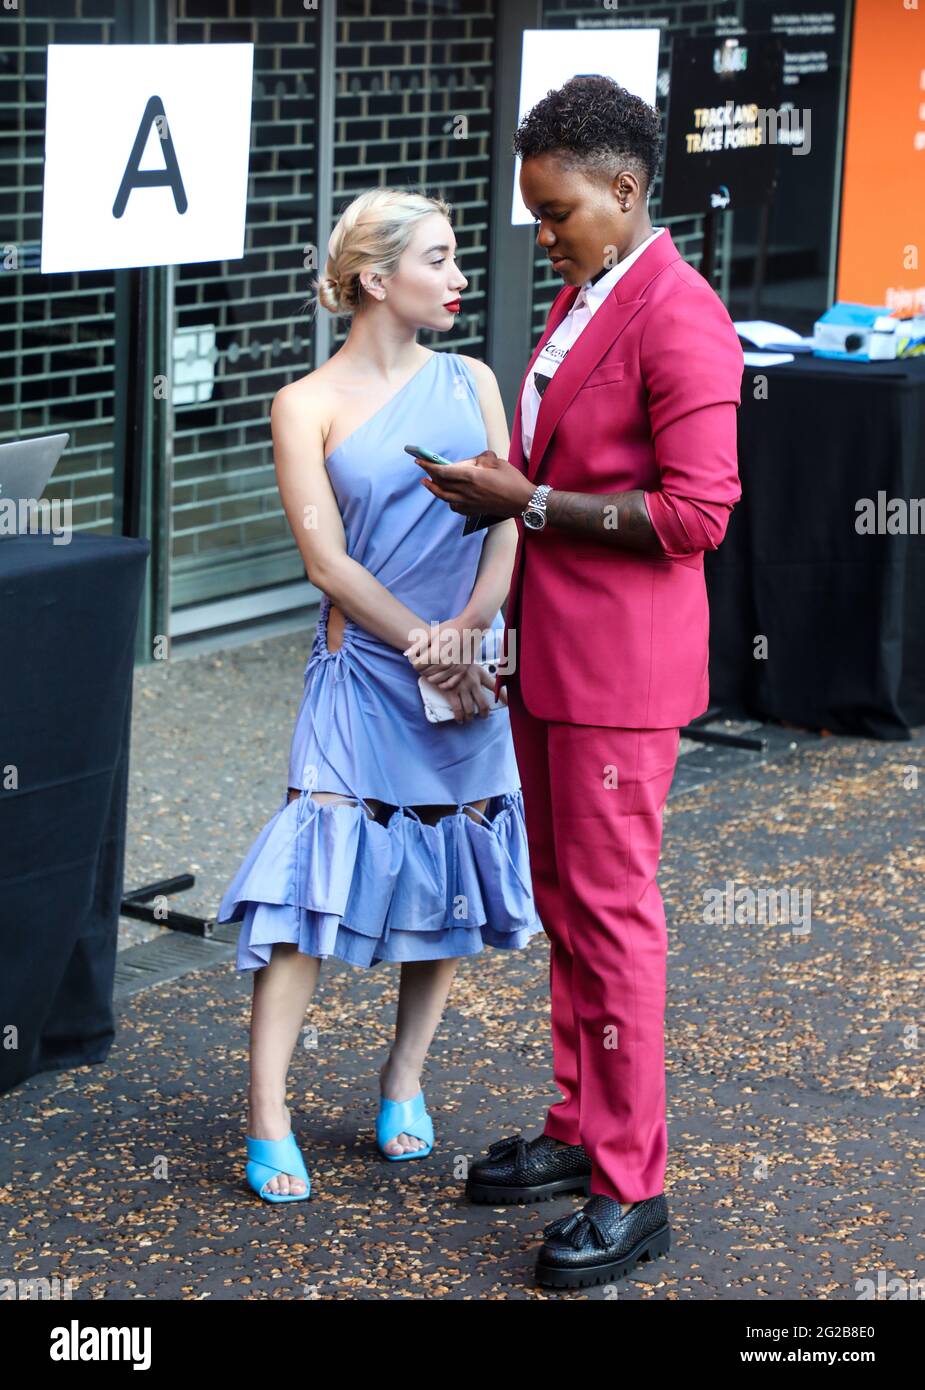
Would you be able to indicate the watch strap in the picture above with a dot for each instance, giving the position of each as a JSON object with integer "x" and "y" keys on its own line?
{"x": 537, "y": 502}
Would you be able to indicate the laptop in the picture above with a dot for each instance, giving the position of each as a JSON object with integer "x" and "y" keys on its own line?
{"x": 26, "y": 466}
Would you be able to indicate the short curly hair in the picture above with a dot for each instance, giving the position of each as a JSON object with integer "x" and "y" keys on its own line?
{"x": 593, "y": 124}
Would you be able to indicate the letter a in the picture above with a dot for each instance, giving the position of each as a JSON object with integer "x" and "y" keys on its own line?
{"x": 168, "y": 177}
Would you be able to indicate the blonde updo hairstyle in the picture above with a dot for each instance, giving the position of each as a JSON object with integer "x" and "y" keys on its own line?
{"x": 371, "y": 234}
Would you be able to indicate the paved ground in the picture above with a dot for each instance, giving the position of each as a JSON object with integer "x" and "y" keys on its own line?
{"x": 794, "y": 1070}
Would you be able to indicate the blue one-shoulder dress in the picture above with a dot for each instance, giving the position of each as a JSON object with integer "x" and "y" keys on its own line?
{"x": 327, "y": 877}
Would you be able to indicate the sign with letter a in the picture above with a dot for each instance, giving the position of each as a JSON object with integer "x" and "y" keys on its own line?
{"x": 146, "y": 154}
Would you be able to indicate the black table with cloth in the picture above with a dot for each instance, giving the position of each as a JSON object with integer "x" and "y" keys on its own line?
{"x": 843, "y": 613}
{"x": 68, "y": 616}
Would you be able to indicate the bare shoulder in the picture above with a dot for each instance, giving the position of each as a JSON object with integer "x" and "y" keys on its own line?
{"x": 308, "y": 402}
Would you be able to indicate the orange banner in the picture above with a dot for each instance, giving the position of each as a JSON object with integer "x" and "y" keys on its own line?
{"x": 882, "y": 236}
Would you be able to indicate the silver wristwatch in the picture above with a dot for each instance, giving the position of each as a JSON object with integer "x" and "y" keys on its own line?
{"x": 534, "y": 513}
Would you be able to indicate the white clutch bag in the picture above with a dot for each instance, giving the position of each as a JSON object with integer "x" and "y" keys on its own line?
{"x": 438, "y": 708}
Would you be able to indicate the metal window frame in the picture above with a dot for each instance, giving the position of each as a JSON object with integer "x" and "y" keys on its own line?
{"x": 142, "y": 462}
{"x": 510, "y": 249}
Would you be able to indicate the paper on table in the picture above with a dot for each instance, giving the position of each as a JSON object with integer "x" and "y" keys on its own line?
{"x": 770, "y": 336}
{"x": 767, "y": 359}
{"x": 762, "y": 333}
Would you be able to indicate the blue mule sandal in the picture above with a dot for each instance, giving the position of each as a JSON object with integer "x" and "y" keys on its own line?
{"x": 268, "y": 1157}
{"x": 404, "y": 1117}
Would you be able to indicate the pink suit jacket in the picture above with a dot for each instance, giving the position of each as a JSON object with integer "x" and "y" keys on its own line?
{"x": 646, "y": 398}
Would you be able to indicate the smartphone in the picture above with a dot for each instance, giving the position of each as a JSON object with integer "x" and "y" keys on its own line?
{"x": 425, "y": 454}
{"x": 473, "y": 523}
{"x": 437, "y": 707}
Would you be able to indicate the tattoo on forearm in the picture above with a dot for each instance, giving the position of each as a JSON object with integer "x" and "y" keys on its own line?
{"x": 619, "y": 519}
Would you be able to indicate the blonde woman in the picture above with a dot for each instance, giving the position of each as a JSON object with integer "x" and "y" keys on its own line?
{"x": 397, "y": 839}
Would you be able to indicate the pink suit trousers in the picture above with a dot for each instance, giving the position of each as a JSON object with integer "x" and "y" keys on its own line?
{"x": 593, "y": 803}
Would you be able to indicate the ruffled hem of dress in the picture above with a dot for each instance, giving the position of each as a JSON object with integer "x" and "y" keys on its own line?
{"x": 330, "y": 880}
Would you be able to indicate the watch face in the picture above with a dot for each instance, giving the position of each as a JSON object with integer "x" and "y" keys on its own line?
{"x": 535, "y": 520}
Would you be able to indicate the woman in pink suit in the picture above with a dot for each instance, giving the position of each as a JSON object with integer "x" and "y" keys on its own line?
{"x": 622, "y": 473}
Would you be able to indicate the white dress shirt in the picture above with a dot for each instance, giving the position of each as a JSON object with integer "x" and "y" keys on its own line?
{"x": 587, "y": 301}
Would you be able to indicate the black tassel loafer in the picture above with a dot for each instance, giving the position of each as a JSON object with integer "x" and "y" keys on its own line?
{"x": 520, "y": 1171}
{"x": 599, "y": 1244}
